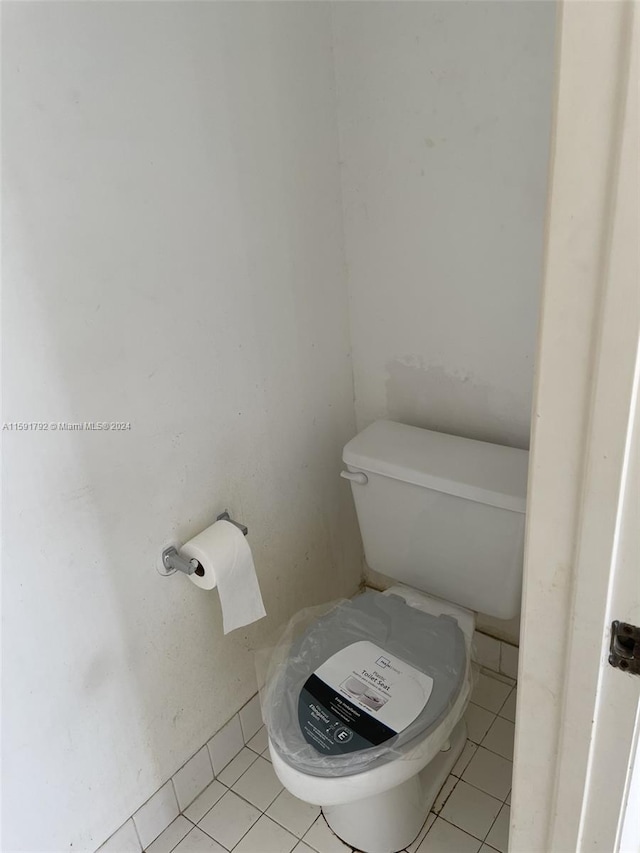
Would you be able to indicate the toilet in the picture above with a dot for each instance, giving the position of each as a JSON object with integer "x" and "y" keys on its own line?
{"x": 364, "y": 702}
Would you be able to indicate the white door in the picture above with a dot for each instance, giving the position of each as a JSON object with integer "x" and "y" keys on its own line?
{"x": 578, "y": 718}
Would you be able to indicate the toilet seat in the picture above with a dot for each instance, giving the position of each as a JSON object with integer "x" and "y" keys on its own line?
{"x": 339, "y": 790}
{"x": 420, "y": 631}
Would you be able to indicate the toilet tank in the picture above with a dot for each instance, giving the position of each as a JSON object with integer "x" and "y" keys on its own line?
{"x": 441, "y": 513}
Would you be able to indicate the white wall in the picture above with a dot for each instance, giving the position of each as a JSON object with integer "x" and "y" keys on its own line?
{"x": 173, "y": 259}
{"x": 444, "y": 116}
{"x": 173, "y": 244}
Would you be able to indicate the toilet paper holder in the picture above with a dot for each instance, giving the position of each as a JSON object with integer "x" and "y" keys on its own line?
{"x": 173, "y": 562}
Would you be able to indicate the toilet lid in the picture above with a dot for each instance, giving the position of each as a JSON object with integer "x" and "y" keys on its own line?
{"x": 362, "y": 683}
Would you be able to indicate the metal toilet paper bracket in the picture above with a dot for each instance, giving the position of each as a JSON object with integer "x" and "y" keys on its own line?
{"x": 224, "y": 516}
{"x": 173, "y": 562}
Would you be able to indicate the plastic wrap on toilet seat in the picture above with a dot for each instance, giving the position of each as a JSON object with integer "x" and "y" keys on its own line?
{"x": 361, "y": 682}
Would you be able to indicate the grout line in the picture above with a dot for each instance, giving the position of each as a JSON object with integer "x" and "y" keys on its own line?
{"x": 488, "y": 710}
{"x": 216, "y": 778}
{"x": 493, "y": 823}
{"x": 459, "y": 828}
{"x": 290, "y": 831}
{"x": 175, "y": 794}
{"x": 206, "y": 746}
{"x": 208, "y": 810}
{"x": 348, "y": 846}
{"x": 510, "y": 760}
{"x": 500, "y": 677}
{"x": 180, "y": 809}
{"x": 241, "y": 837}
{"x": 468, "y": 761}
{"x": 320, "y": 817}
{"x": 135, "y": 829}
{"x": 457, "y": 778}
{"x": 482, "y": 791}
{"x": 435, "y": 817}
{"x": 492, "y": 751}
{"x": 486, "y": 793}
{"x": 514, "y": 688}
{"x": 243, "y": 772}
{"x": 505, "y": 700}
{"x": 182, "y": 839}
{"x": 253, "y": 805}
{"x": 182, "y": 766}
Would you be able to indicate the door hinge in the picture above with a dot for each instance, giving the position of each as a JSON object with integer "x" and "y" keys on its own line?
{"x": 624, "y": 649}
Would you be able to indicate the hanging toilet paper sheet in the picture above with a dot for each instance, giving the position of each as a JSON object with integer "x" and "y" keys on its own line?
{"x": 225, "y": 556}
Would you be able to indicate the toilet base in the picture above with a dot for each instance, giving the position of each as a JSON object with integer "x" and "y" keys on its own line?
{"x": 390, "y": 821}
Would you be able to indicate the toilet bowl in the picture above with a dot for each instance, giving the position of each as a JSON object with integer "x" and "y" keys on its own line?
{"x": 365, "y": 710}
{"x": 383, "y": 807}
{"x": 380, "y": 810}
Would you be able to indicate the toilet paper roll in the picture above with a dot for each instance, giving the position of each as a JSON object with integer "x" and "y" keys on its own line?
{"x": 224, "y": 553}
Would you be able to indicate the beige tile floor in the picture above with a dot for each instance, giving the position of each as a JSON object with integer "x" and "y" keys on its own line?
{"x": 246, "y": 810}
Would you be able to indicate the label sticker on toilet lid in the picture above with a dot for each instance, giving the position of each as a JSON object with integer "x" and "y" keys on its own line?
{"x": 360, "y": 697}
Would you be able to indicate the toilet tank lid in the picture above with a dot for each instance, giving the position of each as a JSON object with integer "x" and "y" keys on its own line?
{"x": 476, "y": 470}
